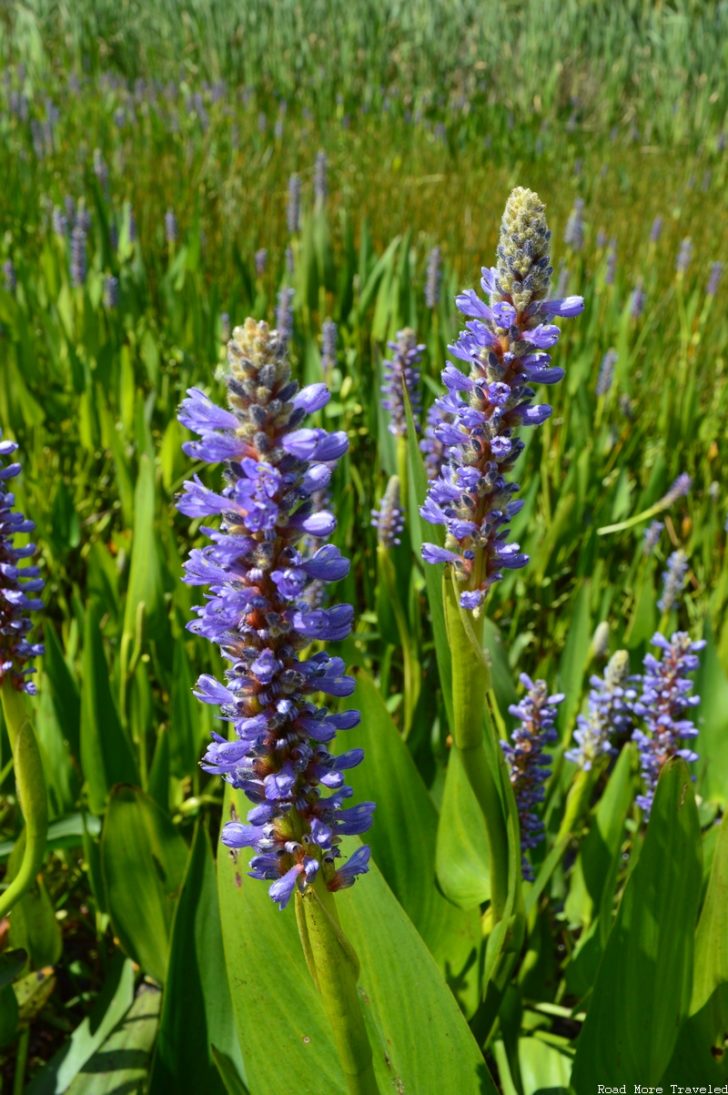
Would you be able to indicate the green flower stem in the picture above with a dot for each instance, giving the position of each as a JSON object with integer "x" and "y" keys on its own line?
{"x": 334, "y": 968}
{"x": 402, "y": 467}
{"x": 410, "y": 662}
{"x": 470, "y": 684}
{"x": 30, "y": 783}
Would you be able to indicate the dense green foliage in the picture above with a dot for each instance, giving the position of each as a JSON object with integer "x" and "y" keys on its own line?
{"x": 429, "y": 113}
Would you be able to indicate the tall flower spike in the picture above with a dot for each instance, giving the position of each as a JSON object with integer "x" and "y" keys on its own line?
{"x": 608, "y": 721}
{"x": 664, "y": 703}
{"x": 673, "y": 580}
{"x": 433, "y": 278}
{"x": 388, "y": 520}
{"x": 257, "y": 613}
{"x": 527, "y": 764}
{"x": 505, "y": 344}
{"x": 17, "y": 585}
{"x": 401, "y": 374}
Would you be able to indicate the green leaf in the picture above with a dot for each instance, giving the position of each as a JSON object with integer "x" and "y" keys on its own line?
{"x": 106, "y": 754}
{"x": 416, "y": 1029}
{"x": 143, "y": 860}
{"x": 403, "y": 838}
{"x": 462, "y": 841}
{"x": 120, "y": 1065}
{"x": 711, "y": 938}
{"x": 642, "y": 991}
{"x": 576, "y": 653}
{"x": 145, "y": 577}
{"x": 108, "y": 1009}
{"x": 711, "y": 684}
{"x": 195, "y": 975}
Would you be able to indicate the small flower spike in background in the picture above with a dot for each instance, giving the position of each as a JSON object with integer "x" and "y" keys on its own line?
{"x": 257, "y": 613}
{"x": 19, "y": 586}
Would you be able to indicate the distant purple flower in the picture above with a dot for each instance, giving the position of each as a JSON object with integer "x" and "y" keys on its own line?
{"x": 527, "y": 764}
{"x": 433, "y": 278}
{"x": 611, "y": 264}
{"x": 637, "y": 301}
{"x": 293, "y": 216}
{"x": 402, "y": 374}
{"x": 503, "y": 344}
{"x": 606, "y": 372}
{"x": 11, "y": 282}
{"x": 652, "y": 535}
{"x": 388, "y": 520}
{"x": 716, "y": 272}
{"x": 329, "y": 336}
{"x": 17, "y": 585}
{"x": 170, "y": 227}
{"x": 664, "y": 704}
{"x": 431, "y": 445}
{"x": 59, "y": 222}
{"x": 608, "y": 721}
{"x": 684, "y": 255}
{"x": 101, "y": 171}
{"x": 679, "y": 489}
{"x": 574, "y": 231}
{"x": 256, "y": 611}
{"x": 284, "y": 314}
{"x": 261, "y": 261}
{"x": 78, "y": 255}
{"x": 673, "y": 580}
{"x": 111, "y": 292}
{"x": 320, "y": 178}
{"x": 656, "y": 230}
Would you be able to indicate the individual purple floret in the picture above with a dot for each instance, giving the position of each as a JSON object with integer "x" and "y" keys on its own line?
{"x": 609, "y": 721}
{"x": 329, "y": 337}
{"x": 170, "y": 227}
{"x": 261, "y": 261}
{"x": 284, "y": 314}
{"x": 433, "y": 278}
{"x": 388, "y": 520}
{"x": 78, "y": 264}
{"x": 320, "y": 178}
{"x": 673, "y": 580}
{"x": 652, "y": 535}
{"x": 401, "y": 373}
{"x": 527, "y": 764}
{"x": 606, "y": 372}
{"x": 637, "y": 301}
{"x": 505, "y": 344}
{"x": 664, "y": 703}
{"x": 574, "y": 231}
{"x": 684, "y": 255}
{"x": 17, "y": 585}
{"x": 293, "y": 215}
{"x": 716, "y": 272}
{"x": 257, "y": 613}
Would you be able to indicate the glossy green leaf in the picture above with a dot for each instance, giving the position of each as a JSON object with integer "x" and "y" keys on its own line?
{"x": 711, "y": 684}
{"x": 404, "y": 835}
{"x": 120, "y": 1065}
{"x": 462, "y": 841}
{"x": 145, "y": 580}
{"x": 106, "y": 754}
{"x": 642, "y": 991}
{"x": 415, "y": 1026}
{"x": 195, "y": 975}
{"x": 108, "y": 1009}
{"x": 143, "y": 860}
{"x": 574, "y": 659}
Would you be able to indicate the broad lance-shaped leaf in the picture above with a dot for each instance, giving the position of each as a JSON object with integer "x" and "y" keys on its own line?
{"x": 642, "y": 991}
{"x": 143, "y": 859}
{"x": 416, "y": 1029}
{"x": 403, "y": 839}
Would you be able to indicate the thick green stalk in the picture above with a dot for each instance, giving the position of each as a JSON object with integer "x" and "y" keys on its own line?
{"x": 334, "y": 968}
{"x": 30, "y": 783}
{"x": 470, "y": 683}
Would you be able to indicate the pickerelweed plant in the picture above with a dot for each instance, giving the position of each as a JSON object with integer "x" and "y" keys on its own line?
{"x": 257, "y": 613}
{"x": 505, "y": 344}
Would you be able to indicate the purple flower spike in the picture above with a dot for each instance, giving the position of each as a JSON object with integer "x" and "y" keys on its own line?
{"x": 470, "y": 442}
{"x": 260, "y": 569}
{"x": 401, "y": 374}
{"x": 608, "y": 722}
{"x": 388, "y": 520}
{"x": 18, "y": 585}
{"x": 665, "y": 703}
{"x": 673, "y": 580}
{"x": 527, "y": 764}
